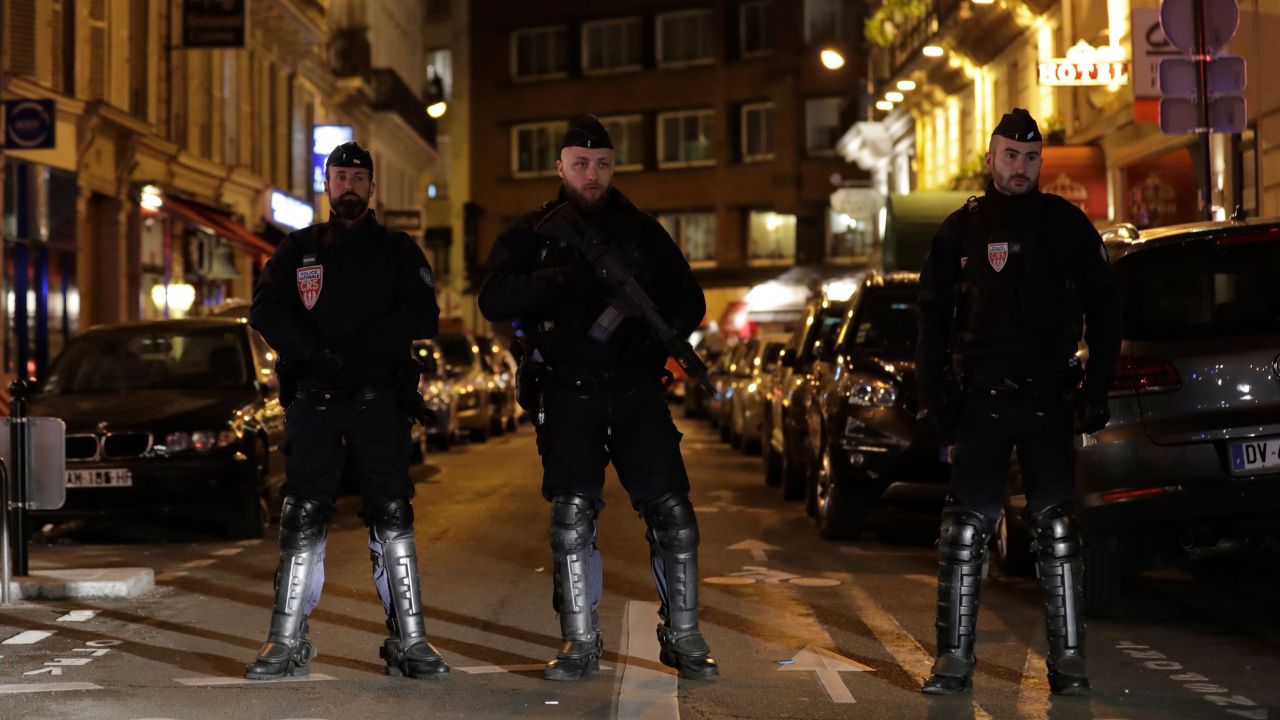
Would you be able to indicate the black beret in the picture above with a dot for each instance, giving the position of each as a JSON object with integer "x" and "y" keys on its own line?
{"x": 587, "y": 132}
{"x": 1018, "y": 125}
{"x": 349, "y": 154}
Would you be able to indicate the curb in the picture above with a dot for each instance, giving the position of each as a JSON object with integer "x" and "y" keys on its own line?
{"x": 84, "y": 584}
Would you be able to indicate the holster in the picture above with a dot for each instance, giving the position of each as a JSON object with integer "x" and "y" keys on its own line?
{"x": 287, "y": 375}
{"x": 531, "y": 376}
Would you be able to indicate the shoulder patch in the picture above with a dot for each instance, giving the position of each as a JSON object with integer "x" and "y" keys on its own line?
{"x": 972, "y": 203}
{"x": 424, "y": 272}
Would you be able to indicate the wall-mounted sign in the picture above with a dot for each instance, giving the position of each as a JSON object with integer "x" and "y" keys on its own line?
{"x": 324, "y": 138}
{"x": 289, "y": 211}
{"x": 405, "y": 220}
{"x": 29, "y": 125}
{"x": 1086, "y": 65}
{"x": 213, "y": 23}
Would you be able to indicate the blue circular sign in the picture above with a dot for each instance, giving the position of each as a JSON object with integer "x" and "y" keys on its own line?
{"x": 29, "y": 124}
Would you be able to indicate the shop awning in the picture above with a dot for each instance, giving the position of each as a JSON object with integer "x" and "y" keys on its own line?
{"x": 220, "y": 224}
{"x": 912, "y": 221}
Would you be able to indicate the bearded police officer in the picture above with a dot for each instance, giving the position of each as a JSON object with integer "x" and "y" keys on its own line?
{"x": 599, "y": 401}
{"x": 1011, "y": 283}
{"x": 341, "y": 302}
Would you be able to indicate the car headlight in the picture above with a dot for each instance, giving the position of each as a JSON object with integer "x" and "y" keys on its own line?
{"x": 752, "y": 388}
{"x": 868, "y": 391}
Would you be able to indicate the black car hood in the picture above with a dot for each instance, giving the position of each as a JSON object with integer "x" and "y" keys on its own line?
{"x": 144, "y": 409}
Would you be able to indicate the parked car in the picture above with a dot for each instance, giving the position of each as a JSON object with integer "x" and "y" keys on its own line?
{"x": 437, "y": 390}
{"x": 869, "y": 455}
{"x": 788, "y": 434}
{"x": 1189, "y": 461}
{"x": 749, "y": 398}
{"x": 736, "y": 381}
{"x": 171, "y": 416}
{"x": 471, "y": 382}
{"x": 719, "y": 377}
{"x": 500, "y": 365}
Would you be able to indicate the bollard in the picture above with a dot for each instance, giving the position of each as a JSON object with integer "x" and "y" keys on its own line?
{"x": 20, "y": 471}
{"x": 6, "y": 572}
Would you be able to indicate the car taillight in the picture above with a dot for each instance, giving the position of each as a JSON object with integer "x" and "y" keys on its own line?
{"x": 1138, "y": 376}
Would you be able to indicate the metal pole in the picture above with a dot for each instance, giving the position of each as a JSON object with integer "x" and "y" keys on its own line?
{"x": 1202, "y": 95}
{"x": 19, "y": 434}
{"x": 6, "y": 572}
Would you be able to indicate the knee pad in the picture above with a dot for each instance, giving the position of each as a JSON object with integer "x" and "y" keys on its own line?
{"x": 1057, "y": 534}
{"x": 674, "y": 525}
{"x": 963, "y": 535}
{"x": 303, "y": 522}
{"x": 573, "y": 524}
{"x": 390, "y": 520}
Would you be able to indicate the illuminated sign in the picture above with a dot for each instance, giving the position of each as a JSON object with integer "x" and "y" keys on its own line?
{"x": 291, "y": 212}
{"x": 324, "y": 138}
{"x": 1086, "y": 65}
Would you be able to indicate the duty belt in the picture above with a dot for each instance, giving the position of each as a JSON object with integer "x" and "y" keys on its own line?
{"x": 595, "y": 380}
{"x": 1006, "y": 387}
{"x": 329, "y": 396}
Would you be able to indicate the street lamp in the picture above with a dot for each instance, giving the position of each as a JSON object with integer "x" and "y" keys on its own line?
{"x": 884, "y": 105}
{"x": 906, "y": 85}
{"x": 933, "y": 51}
{"x": 437, "y": 109}
{"x": 832, "y": 59}
{"x": 894, "y": 96}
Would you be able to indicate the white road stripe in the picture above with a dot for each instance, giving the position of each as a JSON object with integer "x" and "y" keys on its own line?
{"x": 490, "y": 669}
{"x": 210, "y": 680}
{"x": 227, "y": 552}
{"x": 202, "y": 562}
{"x": 46, "y": 687}
{"x": 171, "y": 575}
{"x": 78, "y": 616}
{"x": 645, "y": 693}
{"x": 1033, "y": 691}
{"x": 29, "y": 637}
{"x": 248, "y": 543}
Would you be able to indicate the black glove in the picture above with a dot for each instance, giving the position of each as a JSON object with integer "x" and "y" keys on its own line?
{"x": 414, "y": 407}
{"x": 937, "y": 416}
{"x": 327, "y": 369}
{"x": 1091, "y": 414}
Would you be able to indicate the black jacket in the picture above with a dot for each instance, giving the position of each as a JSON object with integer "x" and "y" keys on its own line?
{"x": 1008, "y": 287}
{"x": 551, "y": 289}
{"x": 365, "y": 293}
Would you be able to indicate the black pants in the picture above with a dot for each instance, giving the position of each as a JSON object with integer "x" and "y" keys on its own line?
{"x": 373, "y": 434}
{"x": 582, "y": 432}
{"x": 989, "y": 429}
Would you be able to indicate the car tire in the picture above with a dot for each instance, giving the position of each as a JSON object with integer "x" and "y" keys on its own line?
{"x": 1106, "y": 571}
{"x": 724, "y": 431}
{"x": 793, "y": 476}
{"x": 1014, "y": 553}
{"x": 479, "y": 435}
{"x": 751, "y": 447}
{"x": 511, "y": 424}
{"x": 811, "y": 490}
{"x": 735, "y": 440}
{"x": 838, "y": 515}
{"x": 443, "y": 441}
{"x": 772, "y": 465}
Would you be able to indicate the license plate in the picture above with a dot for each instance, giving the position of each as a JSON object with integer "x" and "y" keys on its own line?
{"x": 1259, "y": 455}
{"x": 100, "y": 478}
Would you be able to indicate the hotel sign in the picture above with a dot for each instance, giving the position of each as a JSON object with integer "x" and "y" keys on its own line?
{"x": 1086, "y": 65}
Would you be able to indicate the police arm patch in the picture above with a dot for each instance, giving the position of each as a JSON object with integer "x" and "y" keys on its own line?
{"x": 425, "y": 273}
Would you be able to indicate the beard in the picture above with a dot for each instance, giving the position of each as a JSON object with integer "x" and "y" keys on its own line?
{"x": 1007, "y": 185}
{"x": 349, "y": 206}
{"x": 584, "y": 203}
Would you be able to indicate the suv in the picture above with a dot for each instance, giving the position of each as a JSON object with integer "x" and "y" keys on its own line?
{"x": 1191, "y": 458}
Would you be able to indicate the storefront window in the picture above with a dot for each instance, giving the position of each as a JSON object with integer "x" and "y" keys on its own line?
{"x": 772, "y": 238}
{"x": 848, "y": 239}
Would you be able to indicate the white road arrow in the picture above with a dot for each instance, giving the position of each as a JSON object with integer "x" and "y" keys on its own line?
{"x": 756, "y": 548}
{"x": 828, "y": 666}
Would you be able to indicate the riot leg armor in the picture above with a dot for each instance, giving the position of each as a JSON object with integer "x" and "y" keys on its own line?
{"x": 299, "y": 577}
{"x": 1059, "y": 567}
{"x": 395, "y": 574}
{"x": 962, "y": 552}
{"x": 673, "y": 551}
{"x": 573, "y": 537}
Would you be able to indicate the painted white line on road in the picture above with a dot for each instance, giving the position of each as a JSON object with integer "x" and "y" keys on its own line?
{"x": 1033, "y": 691}
{"x": 227, "y": 552}
{"x": 46, "y": 687}
{"x": 28, "y": 637}
{"x": 491, "y": 669}
{"x": 78, "y": 616}
{"x": 827, "y": 666}
{"x": 202, "y": 562}
{"x": 210, "y": 680}
{"x": 645, "y": 693}
{"x": 171, "y": 575}
{"x": 248, "y": 543}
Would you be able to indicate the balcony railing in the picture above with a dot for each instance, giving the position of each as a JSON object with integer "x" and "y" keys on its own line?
{"x": 351, "y": 57}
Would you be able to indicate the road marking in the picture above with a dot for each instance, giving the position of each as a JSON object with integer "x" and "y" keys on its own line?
{"x": 828, "y": 666}
{"x": 29, "y": 637}
{"x": 728, "y": 581}
{"x": 751, "y": 574}
{"x": 171, "y": 575}
{"x": 756, "y": 548}
{"x": 46, "y": 687}
{"x": 202, "y": 562}
{"x": 78, "y": 616}
{"x": 645, "y": 694}
{"x": 1033, "y": 691}
{"x": 491, "y": 669}
{"x": 210, "y": 680}
{"x": 248, "y": 543}
{"x": 227, "y": 552}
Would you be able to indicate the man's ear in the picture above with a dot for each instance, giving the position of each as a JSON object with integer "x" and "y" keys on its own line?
{"x": 560, "y": 168}
{"x": 372, "y": 186}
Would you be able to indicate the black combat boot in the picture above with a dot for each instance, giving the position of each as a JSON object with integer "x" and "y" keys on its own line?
{"x": 573, "y": 533}
{"x": 1061, "y": 571}
{"x": 962, "y": 551}
{"x": 673, "y": 547}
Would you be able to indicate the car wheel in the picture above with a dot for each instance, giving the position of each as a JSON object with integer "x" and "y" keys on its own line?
{"x": 479, "y": 435}
{"x": 772, "y": 464}
{"x": 443, "y": 441}
{"x": 1106, "y": 571}
{"x": 511, "y": 423}
{"x": 793, "y": 476}
{"x": 496, "y": 428}
{"x": 1014, "y": 552}
{"x": 837, "y": 515}
{"x": 735, "y": 439}
{"x": 725, "y": 431}
{"x": 811, "y": 490}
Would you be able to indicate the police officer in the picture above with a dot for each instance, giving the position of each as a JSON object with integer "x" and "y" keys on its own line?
{"x": 603, "y": 402}
{"x": 1011, "y": 283}
{"x": 341, "y": 302}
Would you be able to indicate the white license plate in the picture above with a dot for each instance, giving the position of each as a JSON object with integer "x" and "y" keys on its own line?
{"x": 100, "y": 478}
{"x": 1259, "y": 455}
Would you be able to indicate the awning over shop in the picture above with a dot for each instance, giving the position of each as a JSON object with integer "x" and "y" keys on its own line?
{"x": 911, "y": 223}
{"x": 220, "y": 224}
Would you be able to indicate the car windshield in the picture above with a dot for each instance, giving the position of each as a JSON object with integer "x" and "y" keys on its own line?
{"x": 826, "y": 323}
{"x": 886, "y": 321}
{"x": 152, "y": 357}
{"x": 428, "y": 359}
{"x": 1210, "y": 288}
{"x": 769, "y": 358}
{"x": 458, "y": 352}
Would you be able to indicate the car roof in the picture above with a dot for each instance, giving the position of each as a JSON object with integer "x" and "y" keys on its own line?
{"x": 1121, "y": 239}
{"x": 204, "y": 323}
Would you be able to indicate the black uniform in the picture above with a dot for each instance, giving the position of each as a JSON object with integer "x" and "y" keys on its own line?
{"x": 363, "y": 294}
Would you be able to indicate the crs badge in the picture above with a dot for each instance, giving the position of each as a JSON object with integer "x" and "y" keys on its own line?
{"x": 310, "y": 280}
{"x": 998, "y": 255}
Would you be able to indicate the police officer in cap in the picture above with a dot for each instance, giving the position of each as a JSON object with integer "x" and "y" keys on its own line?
{"x": 603, "y": 402}
{"x": 1012, "y": 282}
{"x": 341, "y": 303}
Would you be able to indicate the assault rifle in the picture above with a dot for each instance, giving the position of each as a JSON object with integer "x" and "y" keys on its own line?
{"x": 629, "y": 299}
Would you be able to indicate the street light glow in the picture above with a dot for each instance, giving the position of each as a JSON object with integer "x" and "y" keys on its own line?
{"x": 894, "y": 96}
{"x": 933, "y": 51}
{"x": 906, "y": 85}
{"x": 832, "y": 59}
{"x": 884, "y": 105}
{"x": 437, "y": 109}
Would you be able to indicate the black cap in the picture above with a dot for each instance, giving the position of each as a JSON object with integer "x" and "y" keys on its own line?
{"x": 349, "y": 154}
{"x": 587, "y": 132}
{"x": 1018, "y": 125}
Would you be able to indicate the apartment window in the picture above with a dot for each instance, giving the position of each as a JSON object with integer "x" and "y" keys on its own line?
{"x": 822, "y": 125}
{"x": 753, "y": 28}
{"x": 440, "y": 68}
{"x": 823, "y": 21}
{"x": 534, "y": 148}
{"x": 695, "y": 233}
{"x": 539, "y": 53}
{"x": 684, "y": 139}
{"x": 757, "y": 132}
{"x": 98, "y": 59}
{"x": 627, "y": 134}
{"x": 848, "y": 238}
{"x": 611, "y": 45}
{"x": 684, "y": 38}
{"x": 772, "y": 238}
